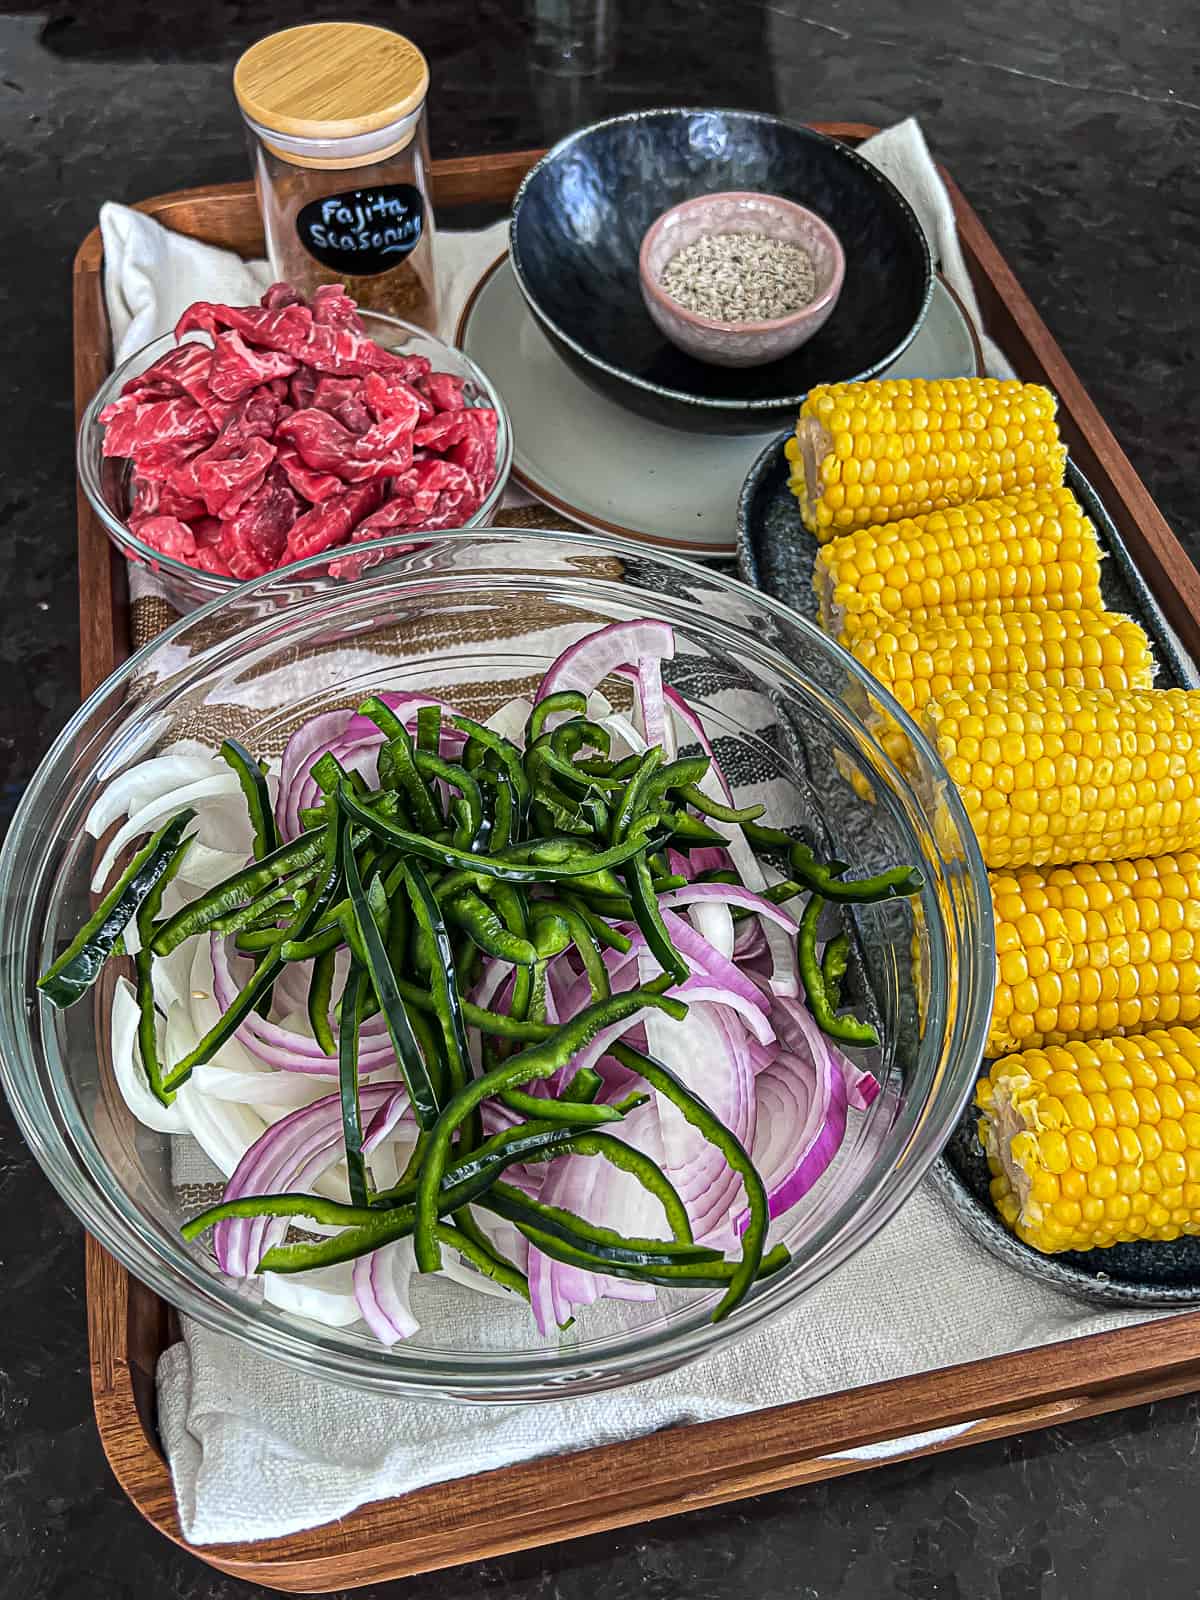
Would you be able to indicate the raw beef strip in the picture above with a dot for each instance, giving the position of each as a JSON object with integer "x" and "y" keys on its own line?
{"x": 440, "y": 432}
{"x": 280, "y": 295}
{"x": 445, "y": 390}
{"x": 236, "y": 369}
{"x": 253, "y": 541}
{"x": 175, "y": 421}
{"x": 226, "y": 484}
{"x": 286, "y": 328}
{"x": 330, "y": 523}
{"x": 169, "y": 536}
{"x": 333, "y": 307}
{"x": 388, "y": 393}
{"x": 311, "y": 485}
{"x": 303, "y": 386}
{"x": 477, "y": 450}
{"x": 320, "y": 440}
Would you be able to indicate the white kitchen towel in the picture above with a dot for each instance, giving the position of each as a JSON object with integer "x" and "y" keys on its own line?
{"x": 256, "y": 1450}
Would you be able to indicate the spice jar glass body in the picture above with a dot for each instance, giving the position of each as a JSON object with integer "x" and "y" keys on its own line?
{"x": 354, "y": 216}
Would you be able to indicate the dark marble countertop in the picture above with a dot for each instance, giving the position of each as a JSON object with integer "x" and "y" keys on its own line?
{"x": 1075, "y": 131}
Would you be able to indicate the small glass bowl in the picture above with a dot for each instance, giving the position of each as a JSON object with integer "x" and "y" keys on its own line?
{"x": 476, "y": 614}
{"x": 106, "y": 479}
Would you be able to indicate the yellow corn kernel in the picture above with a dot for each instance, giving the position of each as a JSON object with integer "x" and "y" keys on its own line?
{"x": 1066, "y": 1188}
{"x": 1099, "y": 774}
{"x": 929, "y": 444}
{"x": 1035, "y": 927}
{"x": 1030, "y": 551}
{"x": 1013, "y": 650}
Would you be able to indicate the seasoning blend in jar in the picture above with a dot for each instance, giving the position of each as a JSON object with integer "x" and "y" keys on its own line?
{"x": 337, "y": 114}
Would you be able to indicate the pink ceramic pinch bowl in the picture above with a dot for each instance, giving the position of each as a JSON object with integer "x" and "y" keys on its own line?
{"x": 739, "y": 344}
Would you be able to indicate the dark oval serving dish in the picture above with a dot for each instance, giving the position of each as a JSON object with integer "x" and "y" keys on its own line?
{"x": 776, "y": 553}
{"x": 577, "y": 226}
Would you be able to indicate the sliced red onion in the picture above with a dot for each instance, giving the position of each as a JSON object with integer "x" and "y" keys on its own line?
{"x": 381, "y": 1284}
{"x": 295, "y": 1151}
{"x": 585, "y": 664}
{"x": 694, "y": 728}
{"x": 309, "y": 742}
{"x": 656, "y": 727}
{"x": 280, "y": 1047}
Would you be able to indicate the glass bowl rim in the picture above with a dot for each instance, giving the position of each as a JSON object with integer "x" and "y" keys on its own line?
{"x": 221, "y": 586}
{"x": 496, "y": 1376}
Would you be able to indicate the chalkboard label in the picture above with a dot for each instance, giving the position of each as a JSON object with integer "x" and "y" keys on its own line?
{"x": 364, "y": 231}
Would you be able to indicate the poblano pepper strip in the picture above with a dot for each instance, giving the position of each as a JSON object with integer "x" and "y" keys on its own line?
{"x": 320, "y": 1000}
{"x": 833, "y": 967}
{"x": 383, "y": 980}
{"x": 846, "y": 1030}
{"x": 236, "y": 891}
{"x": 143, "y": 966}
{"x": 565, "y": 700}
{"x": 505, "y": 752}
{"x": 471, "y": 912}
{"x": 352, "y": 1129}
{"x": 515, "y": 1206}
{"x": 429, "y": 729}
{"x": 258, "y": 797}
{"x": 268, "y": 968}
{"x": 537, "y": 1061}
{"x": 447, "y": 1002}
{"x": 537, "y": 861}
{"x": 73, "y": 973}
{"x": 710, "y": 1127}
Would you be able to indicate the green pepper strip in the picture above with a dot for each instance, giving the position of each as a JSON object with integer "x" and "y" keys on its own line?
{"x": 649, "y": 920}
{"x": 258, "y": 796}
{"x": 352, "y": 1131}
{"x": 678, "y": 775}
{"x": 846, "y": 1030}
{"x": 564, "y": 1110}
{"x": 536, "y": 1061}
{"x": 628, "y": 1159}
{"x": 447, "y": 1004}
{"x": 611, "y": 938}
{"x": 630, "y": 806}
{"x": 495, "y": 1023}
{"x": 383, "y": 981}
{"x": 143, "y": 966}
{"x": 200, "y": 914}
{"x": 580, "y": 930}
{"x": 570, "y": 738}
{"x": 472, "y": 913}
{"x": 824, "y": 878}
{"x": 484, "y": 1256}
{"x": 320, "y": 998}
{"x": 690, "y": 1275}
{"x": 429, "y": 729}
{"x": 275, "y": 899}
{"x": 833, "y": 967}
{"x": 564, "y": 700}
{"x": 515, "y": 1206}
{"x": 689, "y": 830}
{"x": 552, "y": 859}
{"x": 74, "y": 972}
{"x": 695, "y": 1112}
{"x": 506, "y": 754}
{"x": 457, "y": 777}
{"x": 708, "y": 807}
{"x": 403, "y": 756}
{"x": 500, "y": 832}
{"x": 267, "y": 969}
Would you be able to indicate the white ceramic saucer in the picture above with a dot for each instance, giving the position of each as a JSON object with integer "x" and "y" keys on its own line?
{"x": 616, "y": 472}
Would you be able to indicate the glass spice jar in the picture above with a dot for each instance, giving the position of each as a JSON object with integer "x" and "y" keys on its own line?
{"x": 336, "y": 113}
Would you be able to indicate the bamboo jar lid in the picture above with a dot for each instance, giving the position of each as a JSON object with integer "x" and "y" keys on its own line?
{"x": 330, "y": 80}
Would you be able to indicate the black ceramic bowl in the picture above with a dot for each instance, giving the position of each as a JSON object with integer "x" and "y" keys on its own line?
{"x": 578, "y": 223}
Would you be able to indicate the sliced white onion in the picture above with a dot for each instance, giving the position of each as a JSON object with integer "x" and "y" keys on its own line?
{"x": 127, "y": 1065}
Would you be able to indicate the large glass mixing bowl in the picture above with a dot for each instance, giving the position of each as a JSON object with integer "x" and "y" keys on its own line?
{"x": 481, "y": 614}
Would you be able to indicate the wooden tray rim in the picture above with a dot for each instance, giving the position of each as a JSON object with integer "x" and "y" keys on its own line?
{"x": 533, "y": 1502}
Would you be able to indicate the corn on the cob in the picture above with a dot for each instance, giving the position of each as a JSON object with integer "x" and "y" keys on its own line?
{"x": 1098, "y": 948}
{"x": 1025, "y": 547}
{"x": 1016, "y": 650}
{"x": 858, "y": 625}
{"x": 1063, "y": 775}
{"x": 866, "y": 453}
{"x": 1094, "y": 1144}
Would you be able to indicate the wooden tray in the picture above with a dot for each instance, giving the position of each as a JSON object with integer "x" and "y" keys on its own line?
{"x": 672, "y": 1471}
